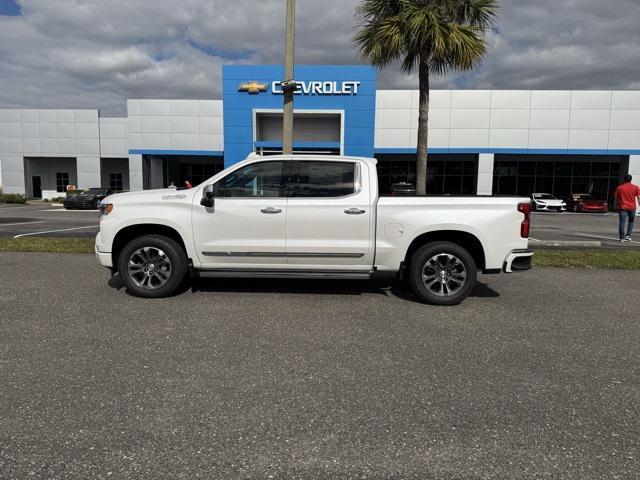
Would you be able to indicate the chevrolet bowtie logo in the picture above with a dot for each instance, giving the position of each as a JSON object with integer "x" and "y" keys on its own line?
{"x": 253, "y": 87}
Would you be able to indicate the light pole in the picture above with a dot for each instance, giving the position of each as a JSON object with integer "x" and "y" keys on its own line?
{"x": 288, "y": 86}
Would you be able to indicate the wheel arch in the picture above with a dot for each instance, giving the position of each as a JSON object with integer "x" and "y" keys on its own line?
{"x": 126, "y": 234}
{"x": 466, "y": 240}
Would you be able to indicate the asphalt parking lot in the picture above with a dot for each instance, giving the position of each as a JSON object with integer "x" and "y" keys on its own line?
{"x": 535, "y": 376}
{"x": 45, "y": 221}
{"x": 578, "y": 227}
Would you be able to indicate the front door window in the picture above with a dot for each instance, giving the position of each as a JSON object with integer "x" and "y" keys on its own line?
{"x": 258, "y": 180}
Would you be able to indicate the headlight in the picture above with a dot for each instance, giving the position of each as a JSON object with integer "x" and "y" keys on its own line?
{"x": 106, "y": 208}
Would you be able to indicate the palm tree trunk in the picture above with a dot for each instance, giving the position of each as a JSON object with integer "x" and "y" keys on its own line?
{"x": 423, "y": 127}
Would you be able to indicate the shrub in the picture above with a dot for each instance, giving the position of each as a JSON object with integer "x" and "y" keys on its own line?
{"x": 12, "y": 198}
{"x": 57, "y": 199}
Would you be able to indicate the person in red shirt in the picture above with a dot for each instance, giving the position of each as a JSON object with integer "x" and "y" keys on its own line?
{"x": 187, "y": 184}
{"x": 626, "y": 195}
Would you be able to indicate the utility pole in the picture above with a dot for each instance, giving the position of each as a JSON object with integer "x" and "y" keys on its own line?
{"x": 288, "y": 86}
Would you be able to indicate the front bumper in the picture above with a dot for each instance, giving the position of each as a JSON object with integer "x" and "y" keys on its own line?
{"x": 104, "y": 258}
{"x": 518, "y": 261}
{"x": 587, "y": 209}
{"x": 551, "y": 208}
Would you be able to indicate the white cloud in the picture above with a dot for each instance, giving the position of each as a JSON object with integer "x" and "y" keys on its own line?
{"x": 97, "y": 53}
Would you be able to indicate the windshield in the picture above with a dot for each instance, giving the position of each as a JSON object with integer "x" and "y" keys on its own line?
{"x": 544, "y": 196}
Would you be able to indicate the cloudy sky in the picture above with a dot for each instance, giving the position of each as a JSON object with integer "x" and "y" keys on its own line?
{"x": 97, "y": 53}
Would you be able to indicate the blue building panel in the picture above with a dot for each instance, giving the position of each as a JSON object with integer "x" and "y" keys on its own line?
{"x": 347, "y": 89}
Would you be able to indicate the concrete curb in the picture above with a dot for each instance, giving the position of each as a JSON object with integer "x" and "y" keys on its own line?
{"x": 565, "y": 243}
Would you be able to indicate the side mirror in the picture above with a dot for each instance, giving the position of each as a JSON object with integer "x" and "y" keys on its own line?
{"x": 208, "y": 195}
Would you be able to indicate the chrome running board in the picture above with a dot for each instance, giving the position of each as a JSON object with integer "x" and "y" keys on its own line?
{"x": 270, "y": 273}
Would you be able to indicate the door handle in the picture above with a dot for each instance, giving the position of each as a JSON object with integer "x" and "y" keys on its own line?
{"x": 353, "y": 211}
{"x": 271, "y": 210}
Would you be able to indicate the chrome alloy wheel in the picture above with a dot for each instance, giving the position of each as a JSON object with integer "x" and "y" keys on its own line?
{"x": 149, "y": 267}
{"x": 444, "y": 274}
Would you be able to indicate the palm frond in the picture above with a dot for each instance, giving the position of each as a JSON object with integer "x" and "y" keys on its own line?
{"x": 477, "y": 13}
{"x": 448, "y": 34}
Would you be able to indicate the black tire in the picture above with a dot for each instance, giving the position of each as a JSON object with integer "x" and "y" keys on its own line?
{"x": 453, "y": 290}
{"x": 177, "y": 271}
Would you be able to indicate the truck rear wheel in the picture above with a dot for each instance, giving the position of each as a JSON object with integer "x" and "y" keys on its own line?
{"x": 442, "y": 273}
{"x": 152, "y": 266}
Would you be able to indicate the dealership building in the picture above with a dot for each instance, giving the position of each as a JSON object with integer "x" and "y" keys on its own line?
{"x": 484, "y": 142}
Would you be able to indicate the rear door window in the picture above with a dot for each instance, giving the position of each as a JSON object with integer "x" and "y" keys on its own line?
{"x": 324, "y": 179}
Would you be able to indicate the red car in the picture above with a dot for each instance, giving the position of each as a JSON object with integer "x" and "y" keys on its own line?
{"x": 586, "y": 202}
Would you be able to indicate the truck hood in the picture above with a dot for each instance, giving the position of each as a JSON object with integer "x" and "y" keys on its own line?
{"x": 554, "y": 202}
{"x": 144, "y": 196}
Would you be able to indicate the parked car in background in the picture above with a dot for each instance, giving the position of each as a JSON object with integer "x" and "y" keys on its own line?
{"x": 87, "y": 200}
{"x": 403, "y": 188}
{"x": 587, "y": 202}
{"x": 545, "y": 202}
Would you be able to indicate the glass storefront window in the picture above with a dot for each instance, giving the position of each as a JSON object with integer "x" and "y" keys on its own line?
{"x": 446, "y": 173}
{"x": 526, "y": 185}
{"x": 562, "y": 187}
{"x": 527, "y": 168}
{"x": 453, "y": 168}
{"x": 581, "y": 169}
{"x": 543, "y": 185}
{"x": 558, "y": 175}
{"x": 581, "y": 184}
{"x": 544, "y": 168}
{"x": 563, "y": 169}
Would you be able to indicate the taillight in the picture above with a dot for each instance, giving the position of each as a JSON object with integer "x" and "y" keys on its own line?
{"x": 526, "y": 223}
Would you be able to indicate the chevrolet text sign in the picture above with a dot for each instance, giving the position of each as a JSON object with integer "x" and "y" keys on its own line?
{"x": 321, "y": 88}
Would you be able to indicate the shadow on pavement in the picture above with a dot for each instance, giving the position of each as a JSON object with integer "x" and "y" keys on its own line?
{"x": 482, "y": 290}
{"x": 310, "y": 286}
{"x": 272, "y": 285}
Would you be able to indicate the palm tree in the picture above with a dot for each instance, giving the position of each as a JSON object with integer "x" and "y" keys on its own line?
{"x": 437, "y": 36}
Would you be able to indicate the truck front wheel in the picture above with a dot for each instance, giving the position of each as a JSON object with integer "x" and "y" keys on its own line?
{"x": 442, "y": 273}
{"x": 152, "y": 266}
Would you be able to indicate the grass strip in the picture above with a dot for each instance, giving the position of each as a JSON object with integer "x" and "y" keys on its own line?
{"x": 616, "y": 259}
{"x": 570, "y": 258}
{"x": 47, "y": 244}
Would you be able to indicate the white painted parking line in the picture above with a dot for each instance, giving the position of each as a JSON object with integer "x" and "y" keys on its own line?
{"x": 65, "y": 210}
{"x": 534, "y": 239}
{"x": 18, "y": 223}
{"x": 55, "y": 231}
{"x": 615, "y": 239}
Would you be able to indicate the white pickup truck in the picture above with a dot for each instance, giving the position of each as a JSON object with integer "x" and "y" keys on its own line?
{"x": 310, "y": 217}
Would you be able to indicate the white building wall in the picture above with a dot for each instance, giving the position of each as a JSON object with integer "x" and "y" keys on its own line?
{"x": 526, "y": 120}
{"x": 135, "y": 172}
{"x": 170, "y": 126}
{"x": 514, "y": 121}
{"x": 485, "y": 174}
{"x": 175, "y": 125}
{"x": 48, "y": 133}
{"x": 113, "y": 137}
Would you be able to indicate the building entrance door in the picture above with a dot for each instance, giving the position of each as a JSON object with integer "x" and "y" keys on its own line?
{"x": 36, "y": 186}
